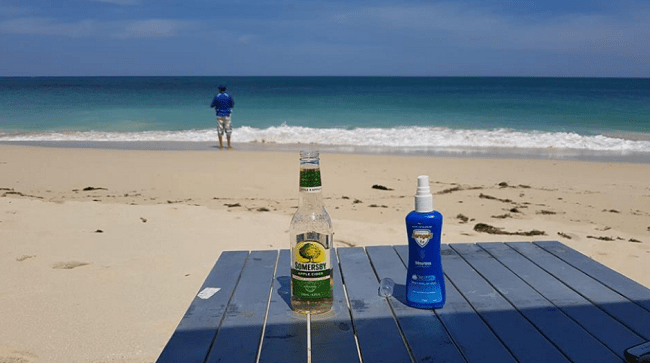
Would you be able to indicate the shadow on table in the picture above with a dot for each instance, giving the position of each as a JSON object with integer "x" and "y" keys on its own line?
{"x": 285, "y": 289}
{"x": 530, "y": 335}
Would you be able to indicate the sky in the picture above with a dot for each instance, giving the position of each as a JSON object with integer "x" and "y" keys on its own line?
{"x": 557, "y": 38}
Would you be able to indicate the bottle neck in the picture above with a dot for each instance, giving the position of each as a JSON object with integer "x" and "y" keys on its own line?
{"x": 310, "y": 184}
{"x": 310, "y": 199}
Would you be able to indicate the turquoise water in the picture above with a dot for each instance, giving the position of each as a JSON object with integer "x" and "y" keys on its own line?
{"x": 384, "y": 112}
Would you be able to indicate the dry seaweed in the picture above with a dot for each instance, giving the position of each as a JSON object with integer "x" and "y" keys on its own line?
{"x": 456, "y": 189}
{"x": 601, "y": 238}
{"x": 546, "y": 212}
{"x": 381, "y": 187}
{"x": 486, "y": 228}
{"x": 87, "y": 189}
{"x": 485, "y": 196}
{"x": 502, "y": 216}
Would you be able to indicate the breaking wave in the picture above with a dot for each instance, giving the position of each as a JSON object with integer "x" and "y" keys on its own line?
{"x": 400, "y": 137}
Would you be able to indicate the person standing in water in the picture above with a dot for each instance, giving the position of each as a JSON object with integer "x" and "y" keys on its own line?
{"x": 223, "y": 103}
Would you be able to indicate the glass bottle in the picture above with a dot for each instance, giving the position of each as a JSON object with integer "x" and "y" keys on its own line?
{"x": 311, "y": 237}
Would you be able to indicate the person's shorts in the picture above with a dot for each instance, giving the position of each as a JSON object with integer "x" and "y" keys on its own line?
{"x": 224, "y": 125}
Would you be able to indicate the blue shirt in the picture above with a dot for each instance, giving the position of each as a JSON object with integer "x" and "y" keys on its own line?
{"x": 223, "y": 103}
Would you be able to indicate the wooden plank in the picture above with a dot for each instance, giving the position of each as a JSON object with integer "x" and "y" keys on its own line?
{"x": 523, "y": 340}
{"x": 605, "y": 328}
{"x": 425, "y": 334}
{"x": 614, "y": 280}
{"x": 285, "y": 334}
{"x": 332, "y": 336}
{"x": 379, "y": 337}
{"x": 573, "y": 340}
{"x": 470, "y": 333}
{"x": 627, "y": 312}
{"x": 239, "y": 337}
{"x": 193, "y": 336}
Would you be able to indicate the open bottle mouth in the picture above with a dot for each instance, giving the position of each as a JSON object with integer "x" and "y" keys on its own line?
{"x": 309, "y": 157}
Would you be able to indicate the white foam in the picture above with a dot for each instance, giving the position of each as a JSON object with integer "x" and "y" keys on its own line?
{"x": 414, "y": 138}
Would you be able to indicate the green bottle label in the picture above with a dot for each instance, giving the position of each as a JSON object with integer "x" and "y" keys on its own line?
{"x": 311, "y": 271}
{"x": 310, "y": 180}
{"x": 312, "y": 289}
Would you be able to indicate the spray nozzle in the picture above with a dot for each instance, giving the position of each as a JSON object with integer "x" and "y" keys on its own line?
{"x": 423, "y": 185}
{"x": 423, "y": 197}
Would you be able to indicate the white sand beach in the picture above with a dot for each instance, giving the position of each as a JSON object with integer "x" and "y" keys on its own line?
{"x": 102, "y": 250}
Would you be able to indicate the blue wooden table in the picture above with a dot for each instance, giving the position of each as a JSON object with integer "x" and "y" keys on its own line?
{"x": 506, "y": 302}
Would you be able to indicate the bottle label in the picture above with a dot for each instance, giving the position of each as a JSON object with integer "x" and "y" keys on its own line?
{"x": 424, "y": 289}
{"x": 311, "y": 267}
{"x": 310, "y": 181}
{"x": 424, "y": 285}
{"x": 422, "y": 236}
{"x": 310, "y": 189}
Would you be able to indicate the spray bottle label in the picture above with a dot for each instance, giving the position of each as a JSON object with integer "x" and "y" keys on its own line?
{"x": 422, "y": 236}
{"x": 423, "y": 285}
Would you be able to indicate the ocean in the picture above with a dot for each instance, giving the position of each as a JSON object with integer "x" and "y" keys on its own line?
{"x": 562, "y": 117}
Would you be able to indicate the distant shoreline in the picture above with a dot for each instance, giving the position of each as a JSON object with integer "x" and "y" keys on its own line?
{"x": 456, "y": 152}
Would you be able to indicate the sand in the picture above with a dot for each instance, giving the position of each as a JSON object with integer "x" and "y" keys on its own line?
{"x": 101, "y": 251}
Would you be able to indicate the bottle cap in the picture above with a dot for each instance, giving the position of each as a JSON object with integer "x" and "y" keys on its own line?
{"x": 423, "y": 197}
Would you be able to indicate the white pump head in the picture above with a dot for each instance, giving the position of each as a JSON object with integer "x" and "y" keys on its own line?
{"x": 423, "y": 197}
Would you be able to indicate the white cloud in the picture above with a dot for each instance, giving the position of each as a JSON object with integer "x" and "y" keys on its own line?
{"x": 152, "y": 28}
{"x": 245, "y": 39}
{"x": 12, "y": 11}
{"x": 453, "y": 23}
{"x": 118, "y": 2}
{"x": 42, "y": 26}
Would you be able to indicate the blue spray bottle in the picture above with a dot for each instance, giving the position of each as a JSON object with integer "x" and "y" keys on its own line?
{"x": 425, "y": 284}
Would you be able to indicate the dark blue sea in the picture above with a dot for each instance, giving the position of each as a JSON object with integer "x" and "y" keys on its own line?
{"x": 392, "y": 114}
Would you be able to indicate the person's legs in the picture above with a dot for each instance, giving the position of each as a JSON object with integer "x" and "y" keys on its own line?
{"x": 220, "y": 130}
{"x": 228, "y": 129}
